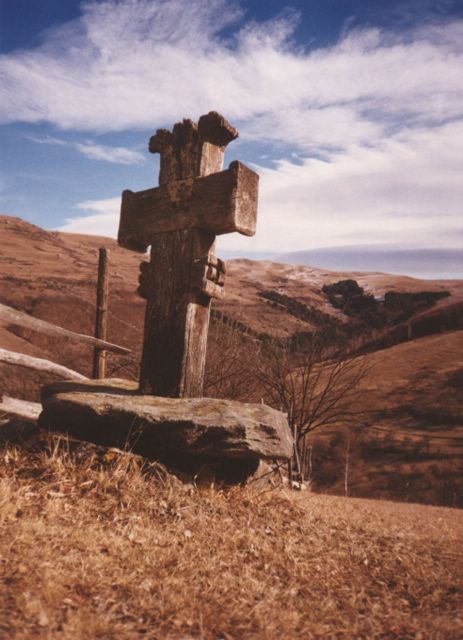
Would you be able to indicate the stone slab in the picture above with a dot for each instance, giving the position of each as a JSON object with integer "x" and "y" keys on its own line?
{"x": 111, "y": 413}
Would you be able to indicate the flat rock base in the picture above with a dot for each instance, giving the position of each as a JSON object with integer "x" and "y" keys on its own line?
{"x": 198, "y": 436}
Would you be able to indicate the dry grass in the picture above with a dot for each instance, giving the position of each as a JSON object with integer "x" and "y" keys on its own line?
{"x": 108, "y": 551}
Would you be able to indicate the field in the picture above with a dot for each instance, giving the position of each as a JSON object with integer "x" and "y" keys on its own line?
{"x": 409, "y": 445}
{"x": 104, "y": 545}
{"x": 110, "y": 550}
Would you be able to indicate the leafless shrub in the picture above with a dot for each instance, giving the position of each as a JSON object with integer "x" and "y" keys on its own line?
{"x": 231, "y": 363}
{"x": 316, "y": 387}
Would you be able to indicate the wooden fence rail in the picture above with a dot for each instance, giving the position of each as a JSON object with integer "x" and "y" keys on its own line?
{"x": 39, "y": 364}
{"x": 21, "y": 319}
{"x": 30, "y": 410}
{"x": 19, "y": 408}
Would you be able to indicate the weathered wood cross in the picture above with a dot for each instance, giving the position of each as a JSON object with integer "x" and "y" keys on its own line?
{"x": 195, "y": 201}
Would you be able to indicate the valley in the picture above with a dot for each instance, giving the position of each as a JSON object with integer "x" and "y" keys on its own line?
{"x": 408, "y": 444}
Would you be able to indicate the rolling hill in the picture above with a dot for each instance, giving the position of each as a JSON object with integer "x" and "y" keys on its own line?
{"x": 409, "y": 331}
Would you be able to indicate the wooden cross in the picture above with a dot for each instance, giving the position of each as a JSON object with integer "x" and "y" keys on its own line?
{"x": 195, "y": 201}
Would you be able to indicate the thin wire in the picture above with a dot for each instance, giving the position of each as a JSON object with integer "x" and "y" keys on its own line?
{"x": 93, "y": 304}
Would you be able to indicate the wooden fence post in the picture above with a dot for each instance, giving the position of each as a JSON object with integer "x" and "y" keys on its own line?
{"x": 101, "y": 321}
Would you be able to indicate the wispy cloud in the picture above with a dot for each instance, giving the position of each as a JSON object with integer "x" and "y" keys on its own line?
{"x": 115, "y": 155}
{"x": 140, "y": 63}
{"x": 383, "y": 109}
{"x": 405, "y": 191}
{"x": 48, "y": 140}
{"x": 101, "y": 218}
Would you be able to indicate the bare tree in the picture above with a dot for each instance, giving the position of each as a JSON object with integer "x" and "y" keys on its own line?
{"x": 316, "y": 386}
{"x": 346, "y": 468}
{"x": 231, "y": 363}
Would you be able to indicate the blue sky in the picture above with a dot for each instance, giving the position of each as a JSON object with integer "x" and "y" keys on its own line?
{"x": 351, "y": 111}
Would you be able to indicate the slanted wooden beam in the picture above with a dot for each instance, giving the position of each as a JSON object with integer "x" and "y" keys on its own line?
{"x": 39, "y": 364}
{"x": 8, "y": 314}
{"x": 20, "y": 408}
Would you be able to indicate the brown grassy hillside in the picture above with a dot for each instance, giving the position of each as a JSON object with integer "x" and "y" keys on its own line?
{"x": 52, "y": 275}
{"x": 91, "y": 551}
{"x": 409, "y": 446}
{"x": 409, "y": 443}
{"x": 103, "y": 547}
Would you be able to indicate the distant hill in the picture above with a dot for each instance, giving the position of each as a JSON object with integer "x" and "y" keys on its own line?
{"x": 410, "y": 444}
{"x": 410, "y": 329}
{"x": 420, "y": 263}
{"x": 53, "y": 275}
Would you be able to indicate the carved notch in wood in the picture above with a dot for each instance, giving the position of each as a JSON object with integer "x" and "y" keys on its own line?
{"x": 208, "y": 276}
{"x": 146, "y": 285}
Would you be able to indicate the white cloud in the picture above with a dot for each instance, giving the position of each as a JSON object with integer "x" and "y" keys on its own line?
{"x": 101, "y": 219}
{"x": 405, "y": 191}
{"x": 48, "y": 140}
{"x": 383, "y": 110}
{"x": 116, "y": 155}
{"x": 141, "y": 63}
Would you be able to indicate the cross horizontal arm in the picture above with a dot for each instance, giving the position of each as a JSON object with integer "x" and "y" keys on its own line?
{"x": 221, "y": 203}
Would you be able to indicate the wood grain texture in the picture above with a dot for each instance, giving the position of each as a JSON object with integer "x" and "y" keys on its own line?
{"x": 177, "y": 313}
{"x": 20, "y": 408}
{"x": 195, "y": 201}
{"x": 221, "y": 203}
{"x": 8, "y": 314}
{"x": 101, "y": 319}
{"x": 39, "y": 364}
